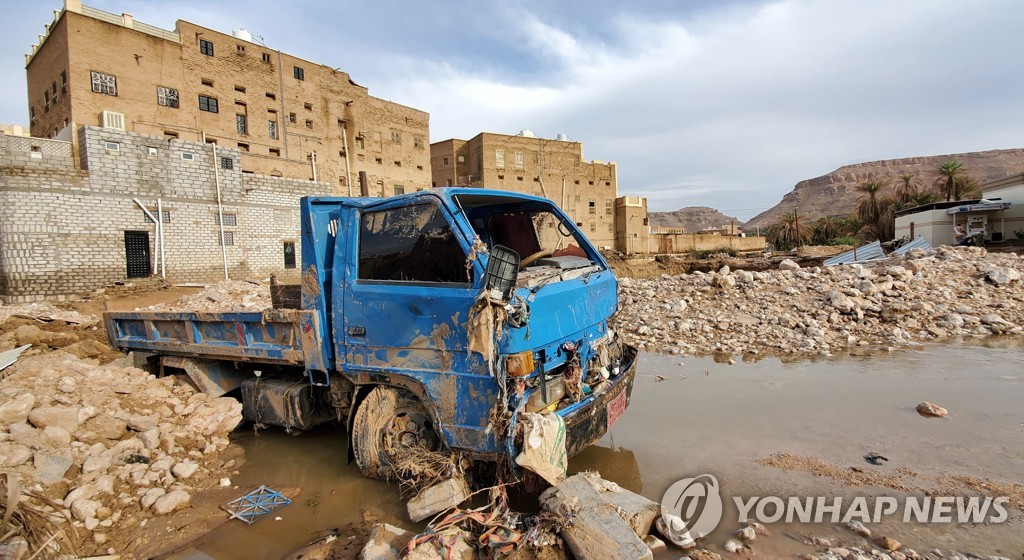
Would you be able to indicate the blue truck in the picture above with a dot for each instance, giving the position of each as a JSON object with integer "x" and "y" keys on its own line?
{"x": 431, "y": 319}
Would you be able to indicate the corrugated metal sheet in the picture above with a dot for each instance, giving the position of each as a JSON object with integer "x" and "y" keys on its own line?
{"x": 917, "y": 243}
{"x": 870, "y": 252}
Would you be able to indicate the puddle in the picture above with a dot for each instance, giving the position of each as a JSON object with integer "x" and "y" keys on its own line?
{"x": 708, "y": 417}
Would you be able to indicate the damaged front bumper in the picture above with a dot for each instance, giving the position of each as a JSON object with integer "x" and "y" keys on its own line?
{"x": 589, "y": 419}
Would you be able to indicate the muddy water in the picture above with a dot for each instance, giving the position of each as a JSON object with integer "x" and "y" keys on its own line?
{"x": 707, "y": 417}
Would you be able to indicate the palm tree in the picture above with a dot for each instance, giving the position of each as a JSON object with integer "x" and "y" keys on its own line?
{"x": 949, "y": 171}
{"x": 965, "y": 187}
{"x": 869, "y": 206}
{"x": 789, "y": 231}
{"x": 922, "y": 198}
{"x": 827, "y": 228}
{"x": 908, "y": 186}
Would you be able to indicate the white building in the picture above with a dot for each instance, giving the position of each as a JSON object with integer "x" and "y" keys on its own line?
{"x": 999, "y": 214}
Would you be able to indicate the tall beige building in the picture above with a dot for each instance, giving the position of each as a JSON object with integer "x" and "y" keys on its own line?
{"x": 550, "y": 167}
{"x": 289, "y": 117}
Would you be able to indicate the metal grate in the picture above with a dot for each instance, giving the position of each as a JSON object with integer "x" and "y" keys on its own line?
{"x": 256, "y": 504}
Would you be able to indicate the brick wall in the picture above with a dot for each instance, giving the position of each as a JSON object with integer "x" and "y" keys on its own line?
{"x": 62, "y": 228}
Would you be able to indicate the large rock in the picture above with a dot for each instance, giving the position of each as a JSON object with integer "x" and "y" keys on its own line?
{"x": 931, "y": 410}
{"x": 17, "y": 409}
{"x": 184, "y": 469}
{"x": 14, "y": 454}
{"x": 61, "y": 416}
{"x": 171, "y": 501}
{"x": 107, "y": 427}
{"x": 1001, "y": 275}
{"x": 50, "y": 467}
{"x": 788, "y": 264}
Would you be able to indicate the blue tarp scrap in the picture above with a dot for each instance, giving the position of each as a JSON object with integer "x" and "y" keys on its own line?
{"x": 256, "y": 504}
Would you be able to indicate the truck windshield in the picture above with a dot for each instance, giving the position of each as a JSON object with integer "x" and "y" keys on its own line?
{"x": 549, "y": 249}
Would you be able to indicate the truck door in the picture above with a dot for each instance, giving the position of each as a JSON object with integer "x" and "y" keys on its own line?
{"x": 407, "y": 299}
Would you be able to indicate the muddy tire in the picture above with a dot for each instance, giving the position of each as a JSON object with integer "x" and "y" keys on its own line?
{"x": 388, "y": 421}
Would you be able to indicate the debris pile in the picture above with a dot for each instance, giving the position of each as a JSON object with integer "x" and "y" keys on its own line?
{"x": 99, "y": 448}
{"x": 927, "y": 295}
{"x": 222, "y": 297}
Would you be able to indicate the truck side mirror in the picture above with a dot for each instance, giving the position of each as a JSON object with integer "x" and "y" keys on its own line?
{"x": 502, "y": 271}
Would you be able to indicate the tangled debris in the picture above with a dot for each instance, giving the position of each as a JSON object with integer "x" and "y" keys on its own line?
{"x": 929, "y": 294}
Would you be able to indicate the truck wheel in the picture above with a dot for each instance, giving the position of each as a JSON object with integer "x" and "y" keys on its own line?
{"x": 388, "y": 422}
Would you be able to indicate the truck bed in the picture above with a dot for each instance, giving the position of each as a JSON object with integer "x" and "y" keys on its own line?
{"x": 279, "y": 336}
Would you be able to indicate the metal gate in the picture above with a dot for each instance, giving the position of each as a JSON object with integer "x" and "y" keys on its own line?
{"x": 136, "y": 253}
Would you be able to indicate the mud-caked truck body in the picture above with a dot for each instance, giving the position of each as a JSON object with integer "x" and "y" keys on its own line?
{"x": 432, "y": 319}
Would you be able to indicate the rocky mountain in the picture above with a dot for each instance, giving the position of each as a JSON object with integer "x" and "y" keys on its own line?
{"x": 836, "y": 194}
{"x": 691, "y": 219}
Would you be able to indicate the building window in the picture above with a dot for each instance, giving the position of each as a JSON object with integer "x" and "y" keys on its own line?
{"x": 593, "y": 227}
{"x": 501, "y": 177}
{"x": 46, "y": 101}
{"x": 398, "y": 163}
{"x": 396, "y": 137}
{"x": 32, "y": 115}
{"x": 54, "y": 87}
{"x": 208, "y": 104}
{"x": 399, "y": 189}
{"x": 206, "y": 47}
{"x": 359, "y": 142}
{"x": 289, "y": 254}
{"x": 592, "y": 205}
{"x": 187, "y": 156}
{"x": 227, "y": 163}
{"x": 165, "y": 216}
{"x": 519, "y": 160}
{"x": 64, "y": 82}
{"x": 448, "y": 182}
{"x": 607, "y": 183}
{"x": 271, "y": 96}
{"x": 226, "y": 238}
{"x": 112, "y": 146}
{"x": 229, "y": 219}
{"x": 445, "y": 161}
{"x": 104, "y": 83}
{"x": 272, "y": 129}
{"x": 608, "y": 207}
{"x": 299, "y": 73}
{"x": 243, "y": 147}
{"x": 461, "y": 159}
{"x": 499, "y": 159}
{"x": 240, "y": 48}
{"x": 308, "y": 106}
{"x": 275, "y": 152}
{"x": 266, "y": 57}
{"x": 291, "y": 118}
{"x": 207, "y": 82}
{"x": 380, "y": 161}
{"x": 417, "y": 142}
{"x": 240, "y": 89}
{"x": 167, "y": 97}
{"x": 309, "y": 123}
{"x": 241, "y": 124}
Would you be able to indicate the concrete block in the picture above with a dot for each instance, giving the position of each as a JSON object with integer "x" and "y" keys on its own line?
{"x": 597, "y": 531}
{"x": 437, "y": 498}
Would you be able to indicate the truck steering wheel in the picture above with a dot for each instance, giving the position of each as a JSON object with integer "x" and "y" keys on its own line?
{"x": 535, "y": 257}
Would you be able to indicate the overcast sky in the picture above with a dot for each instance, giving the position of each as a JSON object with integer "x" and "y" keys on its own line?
{"x": 700, "y": 103}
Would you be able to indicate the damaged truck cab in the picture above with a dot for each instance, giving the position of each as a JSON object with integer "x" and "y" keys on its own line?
{"x": 430, "y": 320}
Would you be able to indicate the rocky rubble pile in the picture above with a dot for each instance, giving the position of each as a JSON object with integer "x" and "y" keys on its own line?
{"x": 109, "y": 445}
{"x": 224, "y": 296}
{"x": 929, "y": 294}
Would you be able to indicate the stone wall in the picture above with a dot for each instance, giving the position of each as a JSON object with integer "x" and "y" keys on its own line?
{"x": 62, "y": 228}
